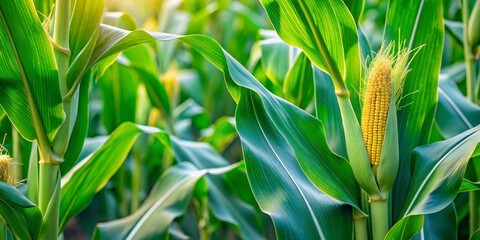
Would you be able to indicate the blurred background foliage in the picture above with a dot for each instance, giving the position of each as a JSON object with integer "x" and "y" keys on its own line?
{"x": 168, "y": 85}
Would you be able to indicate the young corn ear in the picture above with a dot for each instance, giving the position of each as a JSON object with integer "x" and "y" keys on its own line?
{"x": 376, "y": 107}
{"x": 6, "y": 167}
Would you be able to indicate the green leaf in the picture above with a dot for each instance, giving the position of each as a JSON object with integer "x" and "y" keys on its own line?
{"x": 438, "y": 173}
{"x": 298, "y": 86}
{"x": 91, "y": 174}
{"x": 275, "y": 59}
{"x": 28, "y": 73}
{"x": 44, "y": 7}
{"x": 439, "y": 225}
{"x": 420, "y": 26}
{"x": 79, "y": 132}
{"x": 156, "y": 91}
{"x": 406, "y": 228}
{"x": 455, "y": 114}
{"x": 223, "y": 133}
{"x": 119, "y": 87}
{"x": 326, "y": 32}
{"x": 435, "y": 182}
{"x": 20, "y": 215}
{"x": 328, "y": 112}
{"x": 475, "y": 235}
{"x": 2, "y": 113}
{"x": 168, "y": 199}
{"x": 469, "y": 186}
{"x": 356, "y": 8}
{"x": 281, "y": 188}
{"x": 366, "y": 50}
{"x": 84, "y": 28}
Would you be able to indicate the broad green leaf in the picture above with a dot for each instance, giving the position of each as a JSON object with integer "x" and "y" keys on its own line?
{"x": 86, "y": 18}
{"x": 455, "y": 114}
{"x": 84, "y": 28}
{"x": 28, "y": 73}
{"x": 328, "y": 112}
{"x": 281, "y": 188}
{"x": 468, "y": 186}
{"x": 326, "y": 32}
{"x": 406, "y": 228}
{"x": 356, "y": 8}
{"x": 91, "y": 174}
{"x": 440, "y": 225}
{"x": 420, "y": 26}
{"x": 21, "y": 216}
{"x": 438, "y": 173}
{"x": 436, "y": 180}
{"x": 168, "y": 199}
{"x": 365, "y": 48}
{"x": 298, "y": 87}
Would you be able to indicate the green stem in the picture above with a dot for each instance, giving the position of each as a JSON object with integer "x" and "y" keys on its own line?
{"x": 204, "y": 222}
{"x": 379, "y": 218}
{"x": 61, "y": 40}
{"x": 136, "y": 183}
{"x": 49, "y": 174}
{"x": 474, "y": 198}
{"x": 120, "y": 189}
{"x": 472, "y": 93}
{"x": 360, "y": 221}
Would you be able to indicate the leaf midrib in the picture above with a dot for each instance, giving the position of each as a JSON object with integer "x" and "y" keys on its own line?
{"x": 455, "y": 108}
{"x": 320, "y": 44}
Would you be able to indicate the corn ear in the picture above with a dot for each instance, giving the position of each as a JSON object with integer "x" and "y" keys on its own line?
{"x": 6, "y": 169}
{"x": 376, "y": 108}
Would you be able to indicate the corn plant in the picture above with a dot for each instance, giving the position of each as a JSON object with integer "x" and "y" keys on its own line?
{"x": 357, "y": 157}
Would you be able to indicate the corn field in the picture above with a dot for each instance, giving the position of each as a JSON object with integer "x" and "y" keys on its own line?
{"x": 239, "y": 119}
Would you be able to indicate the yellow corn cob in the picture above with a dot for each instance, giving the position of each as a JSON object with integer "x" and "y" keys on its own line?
{"x": 6, "y": 169}
{"x": 375, "y": 107}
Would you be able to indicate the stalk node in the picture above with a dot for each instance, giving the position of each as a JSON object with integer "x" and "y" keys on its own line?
{"x": 343, "y": 93}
